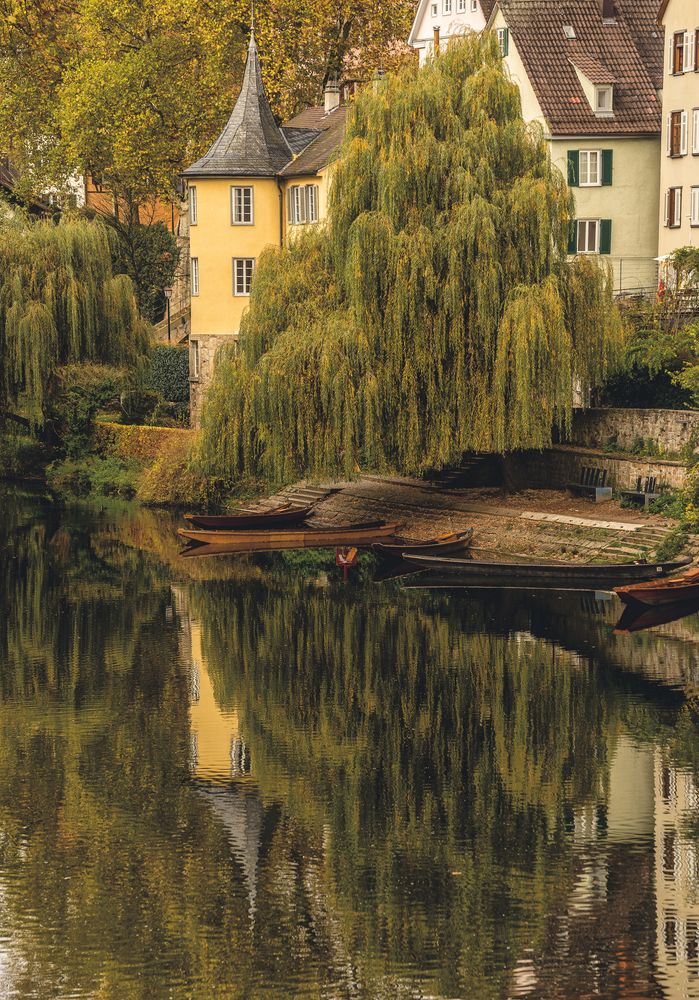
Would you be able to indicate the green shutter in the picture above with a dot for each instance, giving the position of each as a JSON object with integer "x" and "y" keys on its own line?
{"x": 607, "y": 166}
{"x": 573, "y": 237}
{"x": 573, "y": 167}
{"x": 506, "y": 42}
{"x": 605, "y": 236}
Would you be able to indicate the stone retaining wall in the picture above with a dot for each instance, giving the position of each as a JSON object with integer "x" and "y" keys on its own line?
{"x": 554, "y": 468}
{"x": 671, "y": 431}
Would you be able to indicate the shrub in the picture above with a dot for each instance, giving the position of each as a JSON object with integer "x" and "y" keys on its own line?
{"x": 167, "y": 373}
{"x": 93, "y": 476}
{"x": 174, "y": 480}
{"x": 20, "y": 456}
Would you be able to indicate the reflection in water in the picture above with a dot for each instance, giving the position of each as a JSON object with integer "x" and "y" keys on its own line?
{"x": 250, "y": 780}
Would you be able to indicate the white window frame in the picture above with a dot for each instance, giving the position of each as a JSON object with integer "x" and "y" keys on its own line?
{"x": 605, "y": 89}
{"x": 434, "y": 9}
{"x": 460, "y": 6}
{"x": 673, "y": 46}
{"x": 586, "y": 160}
{"x": 194, "y": 274}
{"x": 502, "y": 35}
{"x": 196, "y": 359}
{"x": 238, "y": 206}
{"x": 474, "y": 6}
{"x": 676, "y": 221}
{"x": 447, "y": 6}
{"x": 695, "y": 131}
{"x": 304, "y": 204}
{"x": 694, "y": 208}
{"x": 243, "y": 271}
{"x": 587, "y": 223}
{"x": 193, "y": 214}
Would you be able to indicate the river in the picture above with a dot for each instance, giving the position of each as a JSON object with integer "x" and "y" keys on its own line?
{"x": 247, "y": 778}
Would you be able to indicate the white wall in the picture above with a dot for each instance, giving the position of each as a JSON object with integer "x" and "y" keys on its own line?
{"x": 450, "y": 23}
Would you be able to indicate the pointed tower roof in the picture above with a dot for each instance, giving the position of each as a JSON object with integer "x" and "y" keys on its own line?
{"x": 251, "y": 144}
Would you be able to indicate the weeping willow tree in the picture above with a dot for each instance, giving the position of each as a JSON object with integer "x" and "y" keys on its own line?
{"x": 60, "y": 304}
{"x": 436, "y": 312}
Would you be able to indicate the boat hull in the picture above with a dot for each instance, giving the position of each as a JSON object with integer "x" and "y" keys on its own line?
{"x": 683, "y": 589}
{"x": 549, "y": 573}
{"x": 267, "y": 541}
{"x": 282, "y": 516}
{"x": 449, "y": 545}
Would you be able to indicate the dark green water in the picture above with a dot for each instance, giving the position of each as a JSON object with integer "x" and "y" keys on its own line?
{"x": 243, "y": 779}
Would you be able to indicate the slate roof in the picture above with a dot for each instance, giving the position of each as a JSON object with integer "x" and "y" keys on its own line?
{"x": 331, "y": 132}
{"x": 611, "y": 47}
{"x": 251, "y": 144}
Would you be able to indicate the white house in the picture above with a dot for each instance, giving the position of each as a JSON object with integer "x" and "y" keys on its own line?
{"x": 443, "y": 19}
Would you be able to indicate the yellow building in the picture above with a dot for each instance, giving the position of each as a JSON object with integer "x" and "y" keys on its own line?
{"x": 257, "y": 184}
{"x": 679, "y": 172}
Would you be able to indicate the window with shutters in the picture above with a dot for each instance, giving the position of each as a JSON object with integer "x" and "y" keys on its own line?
{"x": 673, "y": 208}
{"x": 678, "y": 53}
{"x": 304, "y": 203}
{"x": 243, "y": 268}
{"x": 590, "y": 167}
{"x": 192, "y": 206}
{"x": 587, "y": 236}
{"x": 504, "y": 40}
{"x": 242, "y": 206}
{"x": 195, "y": 275}
{"x": 677, "y": 126}
{"x": 694, "y": 213}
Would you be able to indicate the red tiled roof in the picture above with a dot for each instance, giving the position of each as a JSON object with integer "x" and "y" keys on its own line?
{"x": 610, "y": 47}
{"x": 320, "y": 151}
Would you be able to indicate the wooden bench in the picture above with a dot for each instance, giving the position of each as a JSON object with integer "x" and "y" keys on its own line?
{"x": 645, "y": 493}
{"x": 593, "y": 484}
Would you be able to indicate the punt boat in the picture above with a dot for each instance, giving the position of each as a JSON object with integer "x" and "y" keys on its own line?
{"x": 308, "y": 537}
{"x": 284, "y": 515}
{"x": 655, "y": 594}
{"x": 448, "y": 544}
{"x": 563, "y": 574}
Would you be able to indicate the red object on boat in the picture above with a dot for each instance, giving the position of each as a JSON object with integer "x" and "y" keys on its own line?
{"x": 669, "y": 591}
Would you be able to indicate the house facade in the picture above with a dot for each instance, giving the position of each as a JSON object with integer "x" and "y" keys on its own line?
{"x": 590, "y": 72}
{"x": 257, "y": 185}
{"x": 437, "y": 21}
{"x": 679, "y": 171}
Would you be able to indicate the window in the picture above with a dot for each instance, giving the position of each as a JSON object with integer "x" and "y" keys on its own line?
{"x": 694, "y": 212}
{"x": 194, "y": 355}
{"x": 195, "y": 275}
{"x": 588, "y": 236}
{"x": 590, "y": 172}
{"x": 303, "y": 204}
{"x": 446, "y": 6}
{"x": 474, "y": 6}
{"x": 695, "y": 131}
{"x": 435, "y": 10}
{"x": 241, "y": 206}
{"x": 192, "y": 206}
{"x": 673, "y": 208}
{"x": 677, "y": 133}
{"x": 604, "y": 100}
{"x": 677, "y": 63}
{"x": 504, "y": 40}
{"x": 242, "y": 275}
{"x": 460, "y": 6}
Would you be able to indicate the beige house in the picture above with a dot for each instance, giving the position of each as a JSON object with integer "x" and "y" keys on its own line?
{"x": 589, "y": 72}
{"x": 437, "y": 21}
{"x": 679, "y": 171}
{"x": 257, "y": 186}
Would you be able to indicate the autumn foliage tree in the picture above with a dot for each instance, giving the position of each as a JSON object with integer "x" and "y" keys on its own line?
{"x": 133, "y": 90}
{"x": 436, "y": 313}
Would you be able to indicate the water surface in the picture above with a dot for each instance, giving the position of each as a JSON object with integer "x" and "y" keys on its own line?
{"x": 244, "y": 778}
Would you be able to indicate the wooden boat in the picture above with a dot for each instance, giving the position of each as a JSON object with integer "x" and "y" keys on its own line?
{"x": 285, "y": 515}
{"x": 681, "y": 588}
{"x": 316, "y": 536}
{"x": 447, "y": 544}
{"x": 594, "y": 576}
{"x": 639, "y": 617}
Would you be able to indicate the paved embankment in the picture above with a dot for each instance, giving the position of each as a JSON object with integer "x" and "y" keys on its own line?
{"x": 541, "y": 523}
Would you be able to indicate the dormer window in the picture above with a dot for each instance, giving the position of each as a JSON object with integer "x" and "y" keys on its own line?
{"x": 604, "y": 100}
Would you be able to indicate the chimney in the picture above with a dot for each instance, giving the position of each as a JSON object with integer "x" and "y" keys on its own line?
{"x": 436, "y": 41}
{"x": 332, "y": 96}
{"x": 607, "y": 10}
